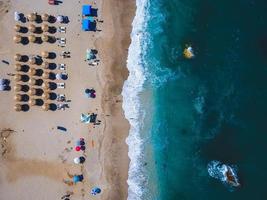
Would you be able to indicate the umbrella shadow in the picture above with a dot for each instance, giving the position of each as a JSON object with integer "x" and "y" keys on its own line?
{"x": 53, "y": 107}
{"x": 25, "y": 68}
{"x": 52, "y": 66}
{"x": 38, "y": 19}
{"x": 23, "y": 29}
{"x": 24, "y": 78}
{"x": 24, "y": 58}
{"x": 38, "y": 30}
{"x": 25, "y": 107}
{"x": 24, "y": 41}
{"x": 52, "y": 55}
{"x": 39, "y": 102}
{"x": 53, "y": 96}
{"x": 25, "y": 97}
{"x": 52, "y": 29}
{"x": 25, "y": 88}
{"x": 39, "y": 72}
{"x": 39, "y": 92}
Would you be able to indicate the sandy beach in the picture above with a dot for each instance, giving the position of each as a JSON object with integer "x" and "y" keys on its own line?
{"x": 36, "y": 157}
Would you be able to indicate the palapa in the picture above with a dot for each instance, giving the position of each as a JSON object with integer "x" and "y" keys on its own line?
{"x": 17, "y": 107}
{"x": 17, "y": 57}
{"x": 17, "y": 28}
{"x": 17, "y": 38}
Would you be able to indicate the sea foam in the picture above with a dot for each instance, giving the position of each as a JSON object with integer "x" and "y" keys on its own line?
{"x": 131, "y": 101}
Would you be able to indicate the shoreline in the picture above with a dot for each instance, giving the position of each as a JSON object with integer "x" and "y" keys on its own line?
{"x": 114, "y": 151}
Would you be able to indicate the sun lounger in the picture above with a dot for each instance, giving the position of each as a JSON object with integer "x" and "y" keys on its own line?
{"x": 61, "y": 85}
{"x": 61, "y": 97}
{"x": 61, "y": 66}
{"x": 62, "y": 29}
{"x": 61, "y": 106}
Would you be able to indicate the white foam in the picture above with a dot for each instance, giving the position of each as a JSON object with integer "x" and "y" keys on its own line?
{"x": 131, "y": 101}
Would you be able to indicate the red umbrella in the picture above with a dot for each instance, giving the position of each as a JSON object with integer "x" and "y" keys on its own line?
{"x": 77, "y": 148}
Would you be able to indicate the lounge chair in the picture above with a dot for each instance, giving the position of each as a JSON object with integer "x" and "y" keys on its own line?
{"x": 61, "y": 66}
{"x": 62, "y": 29}
{"x": 61, "y": 85}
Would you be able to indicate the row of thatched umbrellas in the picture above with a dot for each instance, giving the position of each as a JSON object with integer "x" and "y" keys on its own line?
{"x": 18, "y": 57}
{"x": 33, "y": 17}
{"x": 32, "y": 28}
{"x": 32, "y": 38}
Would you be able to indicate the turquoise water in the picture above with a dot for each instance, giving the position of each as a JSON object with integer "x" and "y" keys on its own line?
{"x": 212, "y": 107}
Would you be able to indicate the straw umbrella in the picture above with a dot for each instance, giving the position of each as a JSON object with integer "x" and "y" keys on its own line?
{"x": 45, "y": 38}
{"x": 46, "y": 107}
{"x": 45, "y": 27}
{"x": 18, "y": 97}
{"x": 45, "y": 17}
{"x": 32, "y": 17}
{"x": 32, "y": 38}
{"x": 45, "y": 65}
{"x": 18, "y": 87}
{"x": 17, "y": 107}
{"x": 18, "y": 67}
{"x": 32, "y": 60}
{"x": 32, "y": 92}
{"x": 17, "y": 28}
{"x": 45, "y": 96}
{"x": 45, "y": 85}
{"x": 17, "y": 77}
{"x": 17, "y": 57}
{"x": 32, "y": 102}
{"x": 32, "y": 71}
{"x": 32, "y": 81}
{"x": 32, "y": 28}
{"x": 45, "y": 75}
{"x": 17, "y": 38}
{"x": 45, "y": 54}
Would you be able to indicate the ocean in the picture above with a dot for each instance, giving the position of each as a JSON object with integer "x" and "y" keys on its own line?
{"x": 186, "y": 113}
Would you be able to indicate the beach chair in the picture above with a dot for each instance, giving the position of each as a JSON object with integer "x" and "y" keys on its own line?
{"x": 61, "y": 85}
{"x": 61, "y": 66}
{"x": 61, "y": 106}
{"x": 62, "y": 29}
{"x": 61, "y": 97}
{"x": 62, "y": 40}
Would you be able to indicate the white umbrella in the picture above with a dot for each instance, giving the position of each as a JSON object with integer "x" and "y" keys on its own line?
{"x": 58, "y": 76}
{"x": 60, "y": 18}
{"x": 16, "y": 16}
{"x": 76, "y": 160}
{"x": 2, "y": 87}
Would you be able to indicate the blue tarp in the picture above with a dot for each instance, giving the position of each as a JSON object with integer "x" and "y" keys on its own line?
{"x": 86, "y": 10}
{"x": 86, "y": 25}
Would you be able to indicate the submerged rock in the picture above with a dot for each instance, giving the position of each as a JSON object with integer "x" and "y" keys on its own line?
{"x": 225, "y": 173}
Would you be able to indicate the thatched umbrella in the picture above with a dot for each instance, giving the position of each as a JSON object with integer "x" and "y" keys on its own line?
{"x": 45, "y": 85}
{"x": 32, "y": 71}
{"x": 45, "y": 17}
{"x": 32, "y": 28}
{"x": 32, "y": 60}
{"x": 18, "y": 67}
{"x": 17, "y": 28}
{"x": 18, "y": 87}
{"x": 18, "y": 97}
{"x": 45, "y": 75}
{"x": 17, "y": 77}
{"x": 32, "y": 102}
{"x": 45, "y": 38}
{"x": 32, "y": 81}
{"x": 17, "y": 107}
{"x": 32, "y": 91}
{"x": 45, "y": 65}
{"x": 45, "y": 54}
{"x": 17, "y": 57}
{"x": 32, "y": 17}
{"x": 45, "y": 96}
{"x": 45, "y": 27}
{"x": 17, "y": 38}
{"x": 46, "y": 107}
{"x": 32, "y": 38}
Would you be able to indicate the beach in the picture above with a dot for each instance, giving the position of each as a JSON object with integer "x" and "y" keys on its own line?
{"x": 36, "y": 156}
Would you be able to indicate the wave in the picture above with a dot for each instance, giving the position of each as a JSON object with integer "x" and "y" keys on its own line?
{"x": 132, "y": 87}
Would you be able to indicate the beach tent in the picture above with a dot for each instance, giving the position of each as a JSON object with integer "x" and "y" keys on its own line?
{"x": 16, "y": 16}
{"x": 85, "y": 118}
{"x": 86, "y": 25}
{"x": 86, "y": 10}
{"x": 95, "y": 191}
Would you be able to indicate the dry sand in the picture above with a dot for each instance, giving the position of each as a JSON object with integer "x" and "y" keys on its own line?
{"x": 36, "y": 157}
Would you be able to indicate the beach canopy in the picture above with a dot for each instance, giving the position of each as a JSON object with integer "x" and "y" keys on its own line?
{"x": 86, "y": 25}
{"x": 16, "y": 16}
{"x": 86, "y": 10}
{"x": 95, "y": 191}
{"x": 77, "y": 178}
{"x": 85, "y": 118}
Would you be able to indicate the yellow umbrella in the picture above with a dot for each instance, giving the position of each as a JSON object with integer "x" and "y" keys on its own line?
{"x": 18, "y": 97}
{"x": 32, "y": 17}
{"x": 32, "y": 38}
{"x": 17, "y": 28}
{"x": 17, "y": 87}
{"x": 32, "y": 28}
{"x": 45, "y": 17}
{"x": 45, "y": 54}
{"x": 32, "y": 60}
{"x": 45, "y": 65}
{"x": 32, "y": 91}
{"x": 46, "y": 107}
{"x": 18, "y": 67}
{"x": 17, "y": 57}
{"x": 17, "y": 107}
{"x": 17, "y": 38}
{"x": 45, "y": 38}
{"x": 45, "y": 27}
{"x": 18, "y": 77}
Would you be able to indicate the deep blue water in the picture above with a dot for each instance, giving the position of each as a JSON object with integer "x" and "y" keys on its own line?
{"x": 212, "y": 107}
